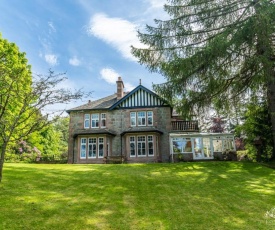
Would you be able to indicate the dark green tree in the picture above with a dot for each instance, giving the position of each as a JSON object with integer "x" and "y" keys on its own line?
{"x": 256, "y": 130}
{"x": 23, "y": 97}
{"x": 213, "y": 53}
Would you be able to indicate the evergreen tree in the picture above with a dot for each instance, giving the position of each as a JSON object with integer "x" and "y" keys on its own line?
{"x": 257, "y": 125}
{"x": 213, "y": 52}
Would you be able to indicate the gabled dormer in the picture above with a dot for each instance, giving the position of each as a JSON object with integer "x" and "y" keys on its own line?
{"x": 140, "y": 97}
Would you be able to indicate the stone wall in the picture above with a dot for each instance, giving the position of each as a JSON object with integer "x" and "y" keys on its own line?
{"x": 118, "y": 121}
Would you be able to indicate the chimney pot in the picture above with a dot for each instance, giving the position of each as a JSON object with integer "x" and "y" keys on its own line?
{"x": 120, "y": 88}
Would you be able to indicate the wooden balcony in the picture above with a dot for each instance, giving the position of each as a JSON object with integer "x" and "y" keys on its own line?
{"x": 190, "y": 126}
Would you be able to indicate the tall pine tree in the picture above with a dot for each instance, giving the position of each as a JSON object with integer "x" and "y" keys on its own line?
{"x": 213, "y": 52}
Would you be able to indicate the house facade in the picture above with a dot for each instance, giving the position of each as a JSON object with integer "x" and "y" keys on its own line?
{"x": 137, "y": 126}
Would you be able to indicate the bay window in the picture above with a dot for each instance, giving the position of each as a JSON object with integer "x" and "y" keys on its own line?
{"x": 141, "y": 146}
{"x": 83, "y": 148}
{"x": 94, "y": 148}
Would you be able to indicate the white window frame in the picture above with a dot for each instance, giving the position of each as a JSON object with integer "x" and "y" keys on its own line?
{"x": 91, "y": 143}
{"x": 95, "y": 120}
{"x": 83, "y": 148}
{"x": 141, "y": 146}
{"x": 100, "y": 142}
{"x": 150, "y": 139}
{"x": 133, "y": 141}
{"x": 102, "y": 118}
{"x": 133, "y": 118}
{"x": 150, "y": 116}
{"x": 141, "y": 120}
{"x": 86, "y": 120}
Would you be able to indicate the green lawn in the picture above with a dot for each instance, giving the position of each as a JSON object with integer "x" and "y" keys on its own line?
{"x": 202, "y": 195}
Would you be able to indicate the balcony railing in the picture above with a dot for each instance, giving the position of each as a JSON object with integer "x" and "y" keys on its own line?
{"x": 185, "y": 126}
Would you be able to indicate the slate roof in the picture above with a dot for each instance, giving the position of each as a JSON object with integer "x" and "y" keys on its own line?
{"x": 111, "y": 102}
{"x": 141, "y": 129}
{"x": 94, "y": 131}
{"x": 103, "y": 103}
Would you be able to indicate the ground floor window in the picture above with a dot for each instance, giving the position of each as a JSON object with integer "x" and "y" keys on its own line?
{"x": 141, "y": 146}
{"x": 132, "y": 147}
{"x": 201, "y": 146}
{"x": 83, "y": 148}
{"x": 93, "y": 147}
{"x": 100, "y": 147}
{"x": 182, "y": 145}
{"x": 221, "y": 144}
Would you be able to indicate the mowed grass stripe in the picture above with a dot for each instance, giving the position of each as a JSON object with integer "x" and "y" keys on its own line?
{"x": 200, "y": 195}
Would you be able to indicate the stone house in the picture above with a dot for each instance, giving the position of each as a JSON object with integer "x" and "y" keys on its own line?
{"x": 137, "y": 126}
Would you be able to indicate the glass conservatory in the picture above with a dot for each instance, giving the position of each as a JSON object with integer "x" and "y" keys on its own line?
{"x": 200, "y": 146}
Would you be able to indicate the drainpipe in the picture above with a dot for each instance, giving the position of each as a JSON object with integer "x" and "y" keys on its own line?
{"x": 73, "y": 148}
{"x": 121, "y": 146}
{"x": 121, "y": 135}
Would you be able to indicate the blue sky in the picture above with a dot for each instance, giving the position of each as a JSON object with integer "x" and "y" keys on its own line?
{"x": 87, "y": 39}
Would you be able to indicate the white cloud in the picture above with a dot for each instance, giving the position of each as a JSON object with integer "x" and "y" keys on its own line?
{"x": 51, "y": 59}
{"x": 128, "y": 86}
{"x": 117, "y": 32}
{"x": 157, "y": 3}
{"x": 74, "y": 61}
{"x": 52, "y": 28}
{"x": 109, "y": 75}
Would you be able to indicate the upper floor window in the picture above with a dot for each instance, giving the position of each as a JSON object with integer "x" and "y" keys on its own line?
{"x": 133, "y": 119}
{"x": 87, "y": 121}
{"x": 141, "y": 118}
{"x": 95, "y": 120}
{"x": 149, "y": 118}
{"x": 103, "y": 120}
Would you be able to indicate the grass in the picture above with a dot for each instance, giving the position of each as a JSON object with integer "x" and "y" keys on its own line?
{"x": 201, "y": 195}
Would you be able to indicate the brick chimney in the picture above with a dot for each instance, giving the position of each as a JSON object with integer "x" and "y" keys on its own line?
{"x": 120, "y": 88}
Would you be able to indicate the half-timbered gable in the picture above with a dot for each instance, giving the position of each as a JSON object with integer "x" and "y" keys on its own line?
{"x": 140, "y": 97}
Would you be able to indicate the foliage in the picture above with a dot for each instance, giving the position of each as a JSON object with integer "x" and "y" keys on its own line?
{"x": 218, "y": 124}
{"x": 257, "y": 124}
{"x": 24, "y": 96}
{"x": 197, "y": 195}
{"x": 213, "y": 53}
{"x": 53, "y": 139}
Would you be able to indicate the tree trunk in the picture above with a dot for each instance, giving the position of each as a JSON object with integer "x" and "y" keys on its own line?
{"x": 2, "y": 157}
{"x": 271, "y": 108}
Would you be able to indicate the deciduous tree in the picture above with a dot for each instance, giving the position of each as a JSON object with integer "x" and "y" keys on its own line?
{"x": 23, "y": 96}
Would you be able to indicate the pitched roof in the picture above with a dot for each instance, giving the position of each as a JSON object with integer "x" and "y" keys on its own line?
{"x": 103, "y": 103}
{"x": 138, "y": 97}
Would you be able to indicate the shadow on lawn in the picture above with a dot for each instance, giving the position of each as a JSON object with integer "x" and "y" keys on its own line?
{"x": 138, "y": 196}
